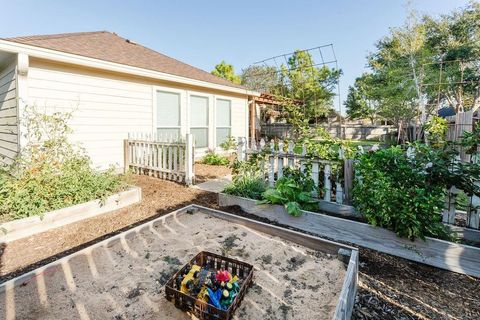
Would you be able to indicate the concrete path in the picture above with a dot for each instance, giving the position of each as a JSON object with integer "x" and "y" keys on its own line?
{"x": 215, "y": 185}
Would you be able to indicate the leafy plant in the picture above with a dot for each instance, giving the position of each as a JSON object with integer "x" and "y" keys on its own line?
{"x": 249, "y": 186}
{"x": 51, "y": 173}
{"x": 436, "y": 129}
{"x": 229, "y": 144}
{"x": 294, "y": 191}
{"x": 403, "y": 192}
{"x": 215, "y": 160}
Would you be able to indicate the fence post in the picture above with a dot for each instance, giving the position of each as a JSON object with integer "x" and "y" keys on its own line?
{"x": 315, "y": 178}
{"x": 348, "y": 180}
{"x": 271, "y": 165}
{"x": 449, "y": 211}
{"x": 126, "y": 156}
{"x": 189, "y": 156}
{"x": 241, "y": 149}
{"x": 473, "y": 216}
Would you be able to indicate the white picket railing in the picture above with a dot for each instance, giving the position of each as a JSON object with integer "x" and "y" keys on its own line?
{"x": 168, "y": 159}
{"x": 321, "y": 170}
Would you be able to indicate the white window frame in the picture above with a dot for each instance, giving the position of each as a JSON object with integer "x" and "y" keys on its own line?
{"x": 209, "y": 118}
{"x": 182, "y": 95}
{"x": 217, "y": 145}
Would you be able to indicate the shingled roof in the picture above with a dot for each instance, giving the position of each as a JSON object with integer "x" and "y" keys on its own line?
{"x": 109, "y": 46}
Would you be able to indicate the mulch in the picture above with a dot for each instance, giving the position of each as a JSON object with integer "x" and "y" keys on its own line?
{"x": 389, "y": 287}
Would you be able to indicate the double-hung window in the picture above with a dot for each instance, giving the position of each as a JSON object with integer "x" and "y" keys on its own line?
{"x": 224, "y": 120}
{"x": 199, "y": 120}
{"x": 168, "y": 115}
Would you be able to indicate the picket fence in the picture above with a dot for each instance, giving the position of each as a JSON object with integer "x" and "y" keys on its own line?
{"x": 321, "y": 170}
{"x": 164, "y": 157}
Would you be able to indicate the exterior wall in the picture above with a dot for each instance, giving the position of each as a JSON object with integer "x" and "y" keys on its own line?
{"x": 106, "y": 106}
{"x": 8, "y": 114}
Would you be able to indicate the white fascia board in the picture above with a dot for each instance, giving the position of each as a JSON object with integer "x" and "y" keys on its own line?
{"x": 64, "y": 57}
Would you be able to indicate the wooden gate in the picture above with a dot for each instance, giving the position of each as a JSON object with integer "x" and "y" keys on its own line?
{"x": 173, "y": 160}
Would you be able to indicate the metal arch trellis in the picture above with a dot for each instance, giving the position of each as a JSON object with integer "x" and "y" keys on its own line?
{"x": 319, "y": 56}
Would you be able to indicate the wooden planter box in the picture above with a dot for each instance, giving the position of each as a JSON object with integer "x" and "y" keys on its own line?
{"x": 438, "y": 253}
{"x": 21, "y": 228}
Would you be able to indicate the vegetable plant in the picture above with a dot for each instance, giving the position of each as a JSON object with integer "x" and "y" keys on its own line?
{"x": 294, "y": 191}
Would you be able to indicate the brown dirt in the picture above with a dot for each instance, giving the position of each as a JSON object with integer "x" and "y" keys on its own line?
{"x": 390, "y": 287}
{"x": 204, "y": 172}
{"x": 158, "y": 197}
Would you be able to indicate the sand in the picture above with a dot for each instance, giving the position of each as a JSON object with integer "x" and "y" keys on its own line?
{"x": 124, "y": 278}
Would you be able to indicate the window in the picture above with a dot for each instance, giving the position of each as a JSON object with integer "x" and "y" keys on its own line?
{"x": 224, "y": 120}
{"x": 199, "y": 120}
{"x": 168, "y": 115}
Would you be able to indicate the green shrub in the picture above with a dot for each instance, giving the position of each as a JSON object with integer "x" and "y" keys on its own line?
{"x": 401, "y": 193}
{"x": 51, "y": 173}
{"x": 215, "y": 160}
{"x": 294, "y": 191}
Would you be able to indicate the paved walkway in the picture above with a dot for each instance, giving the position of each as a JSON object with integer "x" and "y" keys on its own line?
{"x": 215, "y": 185}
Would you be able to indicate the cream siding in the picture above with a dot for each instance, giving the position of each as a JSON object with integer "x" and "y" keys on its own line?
{"x": 8, "y": 115}
{"x": 106, "y": 107}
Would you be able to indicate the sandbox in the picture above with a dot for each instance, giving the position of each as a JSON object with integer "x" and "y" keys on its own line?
{"x": 296, "y": 276}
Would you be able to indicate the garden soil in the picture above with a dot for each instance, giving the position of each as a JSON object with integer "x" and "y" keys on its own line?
{"x": 390, "y": 287}
{"x": 125, "y": 278}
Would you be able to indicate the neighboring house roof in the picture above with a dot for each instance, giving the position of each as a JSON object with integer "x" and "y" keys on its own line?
{"x": 108, "y": 46}
{"x": 446, "y": 112}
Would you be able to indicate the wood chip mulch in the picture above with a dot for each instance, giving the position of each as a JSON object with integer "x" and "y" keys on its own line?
{"x": 389, "y": 287}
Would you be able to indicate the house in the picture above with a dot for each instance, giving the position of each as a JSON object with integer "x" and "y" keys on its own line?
{"x": 115, "y": 87}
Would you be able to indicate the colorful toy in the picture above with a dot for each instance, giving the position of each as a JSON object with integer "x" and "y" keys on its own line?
{"x": 188, "y": 279}
{"x": 223, "y": 276}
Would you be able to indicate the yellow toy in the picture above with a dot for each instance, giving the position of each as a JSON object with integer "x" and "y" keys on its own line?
{"x": 188, "y": 280}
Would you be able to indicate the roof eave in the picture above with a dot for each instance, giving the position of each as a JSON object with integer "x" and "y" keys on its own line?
{"x": 64, "y": 57}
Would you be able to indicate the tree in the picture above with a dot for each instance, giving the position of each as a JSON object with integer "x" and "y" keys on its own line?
{"x": 261, "y": 78}
{"x": 362, "y": 101}
{"x": 309, "y": 89}
{"x": 226, "y": 71}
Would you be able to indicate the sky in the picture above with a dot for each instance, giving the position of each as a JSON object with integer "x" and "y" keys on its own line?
{"x": 203, "y": 33}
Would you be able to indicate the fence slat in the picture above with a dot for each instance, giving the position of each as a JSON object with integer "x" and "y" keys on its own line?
{"x": 315, "y": 177}
{"x": 327, "y": 184}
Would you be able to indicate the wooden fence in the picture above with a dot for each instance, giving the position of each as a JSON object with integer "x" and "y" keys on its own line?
{"x": 457, "y": 125}
{"x": 333, "y": 179}
{"x": 172, "y": 160}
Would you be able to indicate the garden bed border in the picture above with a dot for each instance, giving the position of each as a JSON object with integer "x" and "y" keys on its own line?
{"x": 22, "y": 228}
{"x": 438, "y": 253}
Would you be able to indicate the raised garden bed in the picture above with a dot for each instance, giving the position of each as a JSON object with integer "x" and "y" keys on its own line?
{"x": 438, "y": 253}
{"x": 296, "y": 275}
{"x": 17, "y": 229}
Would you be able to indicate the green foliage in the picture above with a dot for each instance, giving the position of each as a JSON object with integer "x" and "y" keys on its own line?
{"x": 215, "y": 160}
{"x": 294, "y": 191}
{"x": 312, "y": 85}
{"x": 436, "y": 129}
{"x": 249, "y": 184}
{"x": 229, "y": 144}
{"x": 226, "y": 71}
{"x": 433, "y": 60}
{"x": 261, "y": 78}
{"x": 400, "y": 194}
{"x": 50, "y": 173}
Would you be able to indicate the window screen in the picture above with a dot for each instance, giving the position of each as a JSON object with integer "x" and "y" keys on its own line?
{"x": 223, "y": 121}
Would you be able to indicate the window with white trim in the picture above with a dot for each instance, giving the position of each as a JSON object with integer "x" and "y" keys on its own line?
{"x": 224, "y": 120}
{"x": 168, "y": 115}
{"x": 199, "y": 120}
